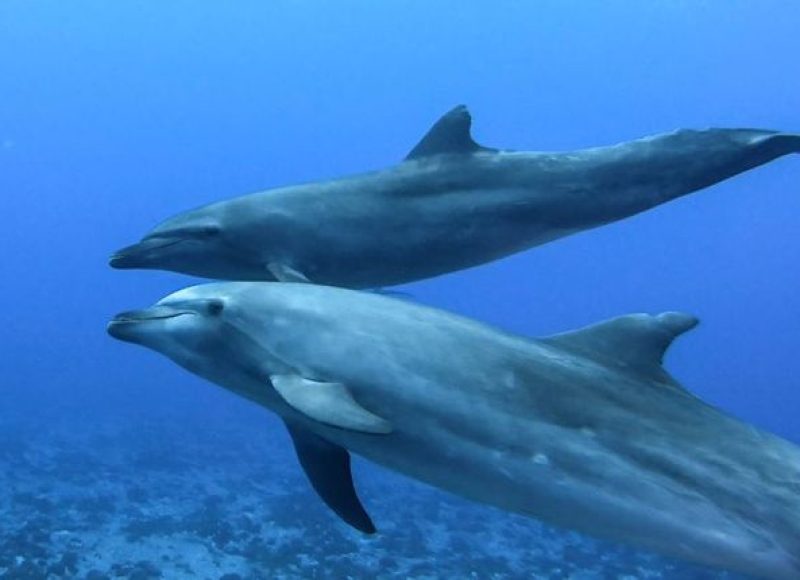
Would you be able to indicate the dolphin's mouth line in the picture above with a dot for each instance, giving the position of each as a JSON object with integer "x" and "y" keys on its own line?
{"x": 145, "y": 246}
{"x": 166, "y": 242}
{"x": 126, "y": 319}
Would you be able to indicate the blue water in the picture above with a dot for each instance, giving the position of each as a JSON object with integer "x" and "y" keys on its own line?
{"x": 113, "y": 115}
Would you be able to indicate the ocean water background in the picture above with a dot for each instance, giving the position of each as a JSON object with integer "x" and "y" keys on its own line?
{"x": 114, "y": 115}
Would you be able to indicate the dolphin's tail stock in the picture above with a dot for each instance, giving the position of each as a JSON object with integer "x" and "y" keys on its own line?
{"x": 773, "y": 144}
{"x": 712, "y": 155}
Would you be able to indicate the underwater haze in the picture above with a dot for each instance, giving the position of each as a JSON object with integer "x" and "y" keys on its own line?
{"x": 116, "y": 463}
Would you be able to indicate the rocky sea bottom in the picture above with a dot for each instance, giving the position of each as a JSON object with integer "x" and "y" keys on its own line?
{"x": 141, "y": 499}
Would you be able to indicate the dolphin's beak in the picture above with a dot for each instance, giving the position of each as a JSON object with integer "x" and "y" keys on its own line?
{"x": 124, "y": 325}
{"x": 140, "y": 255}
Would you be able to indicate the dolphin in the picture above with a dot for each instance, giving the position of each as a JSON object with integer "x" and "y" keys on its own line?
{"x": 451, "y": 204}
{"x": 584, "y": 430}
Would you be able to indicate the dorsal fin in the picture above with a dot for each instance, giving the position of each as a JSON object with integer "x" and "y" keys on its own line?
{"x": 636, "y": 342}
{"x": 450, "y": 134}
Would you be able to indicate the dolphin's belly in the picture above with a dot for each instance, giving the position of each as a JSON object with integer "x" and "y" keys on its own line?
{"x": 541, "y": 481}
{"x": 406, "y": 239}
{"x": 630, "y": 507}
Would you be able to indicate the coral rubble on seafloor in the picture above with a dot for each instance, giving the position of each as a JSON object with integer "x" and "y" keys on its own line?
{"x": 158, "y": 501}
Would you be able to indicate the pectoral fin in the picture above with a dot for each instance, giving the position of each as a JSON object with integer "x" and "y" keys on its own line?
{"x": 329, "y": 403}
{"x": 327, "y": 467}
{"x": 285, "y": 273}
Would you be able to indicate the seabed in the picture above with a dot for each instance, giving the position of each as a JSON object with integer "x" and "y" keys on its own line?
{"x": 161, "y": 499}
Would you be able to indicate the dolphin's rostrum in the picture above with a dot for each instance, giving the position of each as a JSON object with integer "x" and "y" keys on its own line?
{"x": 584, "y": 430}
{"x": 451, "y": 204}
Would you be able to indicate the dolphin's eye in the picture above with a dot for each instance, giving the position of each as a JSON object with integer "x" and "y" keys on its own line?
{"x": 209, "y": 231}
{"x": 215, "y": 307}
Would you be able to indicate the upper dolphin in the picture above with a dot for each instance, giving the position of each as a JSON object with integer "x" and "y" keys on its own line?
{"x": 451, "y": 204}
{"x": 584, "y": 430}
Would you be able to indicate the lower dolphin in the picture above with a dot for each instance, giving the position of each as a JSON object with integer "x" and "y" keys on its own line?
{"x": 584, "y": 430}
{"x": 452, "y": 204}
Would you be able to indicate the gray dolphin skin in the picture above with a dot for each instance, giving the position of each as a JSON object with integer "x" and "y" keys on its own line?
{"x": 584, "y": 430}
{"x": 452, "y": 204}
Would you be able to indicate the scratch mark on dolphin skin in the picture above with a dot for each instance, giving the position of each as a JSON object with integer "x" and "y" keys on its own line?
{"x": 541, "y": 459}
